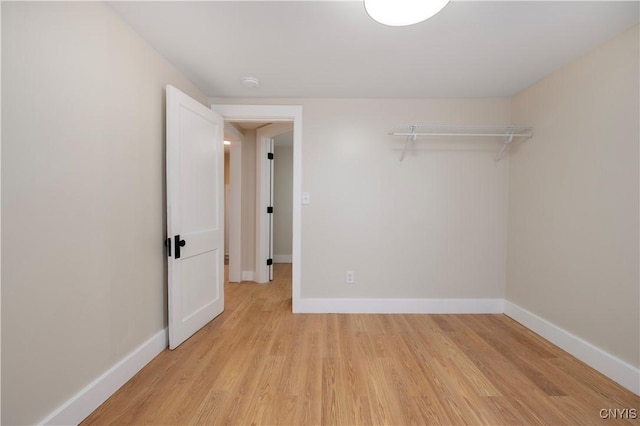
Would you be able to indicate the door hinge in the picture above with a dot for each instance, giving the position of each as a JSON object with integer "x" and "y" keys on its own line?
{"x": 269, "y": 262}
{"x": 269, "y": 155}
{"x": 167, "y": 244}
{"x": 270, "y": 209}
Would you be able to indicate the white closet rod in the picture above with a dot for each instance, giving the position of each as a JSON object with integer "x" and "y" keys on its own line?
{"x": 411, "y": 132}
{"x": 528, "y": 135}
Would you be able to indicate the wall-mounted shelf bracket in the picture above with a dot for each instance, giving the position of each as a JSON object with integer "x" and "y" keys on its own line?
{"x": 410, "y": 138}
{"x": 507, "y": 133}
{"x": 503, "y": 150}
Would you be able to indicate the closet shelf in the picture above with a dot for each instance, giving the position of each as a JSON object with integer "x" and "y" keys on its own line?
{"x": 507, "y": 133}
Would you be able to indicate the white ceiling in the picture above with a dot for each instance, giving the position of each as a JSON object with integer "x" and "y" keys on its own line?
{"x": 304, "y": 49}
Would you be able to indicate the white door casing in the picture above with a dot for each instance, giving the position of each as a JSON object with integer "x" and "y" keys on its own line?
{"x": 280, "y": 113}
{"x": 195, "y": 215}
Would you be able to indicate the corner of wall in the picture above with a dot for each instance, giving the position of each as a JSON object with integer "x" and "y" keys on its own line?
{"x": 616, "y": 369}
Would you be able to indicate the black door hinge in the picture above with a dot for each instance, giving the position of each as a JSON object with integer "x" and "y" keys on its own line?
{"x": 269, "y": 155}
{"x": 167, "y": 244}
{"x": 269, "y": 262}
{"x": 270, "y": 209}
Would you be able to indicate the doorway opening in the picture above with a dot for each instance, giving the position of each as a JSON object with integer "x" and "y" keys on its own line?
{"x": 251, "y": 131}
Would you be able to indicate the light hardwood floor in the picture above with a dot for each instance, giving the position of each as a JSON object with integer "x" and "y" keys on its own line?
{"x": 260, "y": 364}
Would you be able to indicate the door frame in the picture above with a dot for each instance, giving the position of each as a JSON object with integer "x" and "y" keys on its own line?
{"x": 273, "y": 114}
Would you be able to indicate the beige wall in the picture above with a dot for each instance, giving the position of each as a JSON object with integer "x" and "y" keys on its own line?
{"x": 283, "y": 196}
{"x": 573, "y": 199}
{"x": 248, "y": 201}
{"x": 83, "y": 210}
{"x": 433, "y": 226}
{"x": 226, "y": 168}
{"x": 226, "y": 203}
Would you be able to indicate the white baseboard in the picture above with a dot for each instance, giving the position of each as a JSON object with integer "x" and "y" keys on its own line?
{"x": 247, "y": 276}
{"x": 400, "y": 306}
{"x": 95, "y": 393}
{"x": 282, "y": 258}
{"x": 612, "y": 367}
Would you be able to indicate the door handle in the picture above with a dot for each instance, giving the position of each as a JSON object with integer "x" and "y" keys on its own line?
{"x": 179, "y": 243}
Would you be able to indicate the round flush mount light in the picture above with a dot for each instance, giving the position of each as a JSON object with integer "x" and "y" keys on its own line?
{"x": 398, "y": 13}
{"x": 250, "y": 82}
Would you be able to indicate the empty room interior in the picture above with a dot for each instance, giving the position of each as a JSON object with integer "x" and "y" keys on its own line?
{"x": 450, "y": 233}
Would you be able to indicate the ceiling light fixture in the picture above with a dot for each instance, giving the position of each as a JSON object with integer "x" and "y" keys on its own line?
{"x": 398, "y": 13}
{"x": 250, "y": 82}
{"x": 227, "y": 142}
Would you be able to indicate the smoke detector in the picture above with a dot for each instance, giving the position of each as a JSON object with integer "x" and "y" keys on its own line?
{"x": 250, "y": 82}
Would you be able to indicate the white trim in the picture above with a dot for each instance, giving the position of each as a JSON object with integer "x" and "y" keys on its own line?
{"x": 282, "y": 258}
{"x": 401, "y": 306}
{"x": 612, "y": 367}
{"x": 247, "y": 275}
{"x": 95, "y": 393}
{"x": 275, "y": 113}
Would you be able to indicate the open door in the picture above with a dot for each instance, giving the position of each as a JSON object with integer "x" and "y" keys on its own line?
{"x": 195, "y": 215}
{"x": 270, "y": 209}
{"x": 264, "y": 198}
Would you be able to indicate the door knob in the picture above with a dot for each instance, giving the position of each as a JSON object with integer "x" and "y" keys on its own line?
{"x": 179, "y": 243}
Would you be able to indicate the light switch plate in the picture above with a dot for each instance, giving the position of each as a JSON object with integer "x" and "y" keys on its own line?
{"x": 306, "y": 198}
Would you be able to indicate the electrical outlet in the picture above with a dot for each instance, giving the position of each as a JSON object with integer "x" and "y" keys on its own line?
{"x": 351, "y": 277}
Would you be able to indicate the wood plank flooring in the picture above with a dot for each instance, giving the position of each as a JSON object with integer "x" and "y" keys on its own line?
{"x": 259, "y": 364}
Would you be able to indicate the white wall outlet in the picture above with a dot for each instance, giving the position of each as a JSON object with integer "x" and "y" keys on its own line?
{"x": 306, "y": 198}
{"x": 351, "y": 277}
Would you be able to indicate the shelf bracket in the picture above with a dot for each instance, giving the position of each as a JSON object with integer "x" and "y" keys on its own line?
{"x": 410, "y": 138}
{"x": 505, "y": 144}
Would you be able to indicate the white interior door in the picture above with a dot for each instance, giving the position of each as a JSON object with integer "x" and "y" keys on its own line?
{"x": 264, "y": 195}
{"x": 195, "y": 215}
{"x": 271, "y": 170}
